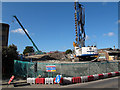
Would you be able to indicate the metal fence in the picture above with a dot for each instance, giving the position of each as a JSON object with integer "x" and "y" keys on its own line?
{"x": 27, "y": 69}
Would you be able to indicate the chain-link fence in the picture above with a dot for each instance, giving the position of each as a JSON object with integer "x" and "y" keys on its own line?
{"x": 33, "y": 69}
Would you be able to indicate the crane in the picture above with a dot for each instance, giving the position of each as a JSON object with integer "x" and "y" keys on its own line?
{"x": 27, "y": 35}
{"x": 79, "y": 25}
{"x": 80, "y": 50}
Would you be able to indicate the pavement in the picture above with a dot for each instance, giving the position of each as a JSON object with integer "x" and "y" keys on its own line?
{"x": 103, "y": 83}
{"x": 24, "y": 84}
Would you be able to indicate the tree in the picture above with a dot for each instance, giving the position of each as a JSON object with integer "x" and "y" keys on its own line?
{"x": 68, "y": 51}
{"x": 9, "y": 54}
{"x": 28, "y": 49}
{"x": 12, "y": 52}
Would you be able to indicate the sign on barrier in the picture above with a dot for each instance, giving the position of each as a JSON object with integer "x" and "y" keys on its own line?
{"x": 57, "y": 80}
{"x": 50, "y": 68}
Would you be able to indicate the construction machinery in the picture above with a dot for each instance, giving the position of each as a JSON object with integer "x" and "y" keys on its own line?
{"x": 38, "y": 52}
{"x": 80, "y": 50}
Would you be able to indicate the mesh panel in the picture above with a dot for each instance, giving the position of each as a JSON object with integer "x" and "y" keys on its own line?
{"x": 27, "y": 69}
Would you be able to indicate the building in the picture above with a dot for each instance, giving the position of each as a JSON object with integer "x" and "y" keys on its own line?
{"x": 4, "y": 33}
{"x": 109, "y": 54}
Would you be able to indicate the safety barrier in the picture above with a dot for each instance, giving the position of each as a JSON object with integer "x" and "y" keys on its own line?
{"x": 67, "y": 80}
{"x": 117, "y": 73}
{"x": 48, "y": 80}
{"x": 40, "y": 80}
{"x": 113, "y": 74}
{"x": 105, "y": 75}
{"x": 76, "y": 80}
{"x": 96, "y": 77}
{"x": 70, "y": 80}
{"x": 100, "y": 76}
{"x": 84, "y": 79}
{"x": 109, "y": 75}
{"x": 90, "y": 78}
{"x": 31, "y": 80}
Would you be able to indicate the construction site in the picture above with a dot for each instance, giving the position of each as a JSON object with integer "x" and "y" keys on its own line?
{"x": 83, "y": 61}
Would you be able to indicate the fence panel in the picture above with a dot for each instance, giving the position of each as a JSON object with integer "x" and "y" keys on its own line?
{"x": 76, "y": 69}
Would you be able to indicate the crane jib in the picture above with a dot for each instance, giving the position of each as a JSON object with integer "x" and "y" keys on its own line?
{"x": 26, "y": 33}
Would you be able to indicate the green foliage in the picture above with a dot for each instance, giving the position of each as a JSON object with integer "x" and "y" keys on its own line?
{"x": 9, "y": 54}
{"x": 44, "y": 52}
{"x": 68, "y": 51}
{"x": 28, "y": 49}
{"x": 12, "y": 52}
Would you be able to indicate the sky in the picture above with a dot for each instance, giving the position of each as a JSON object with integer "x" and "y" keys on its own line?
{"x": 51, "y": 25}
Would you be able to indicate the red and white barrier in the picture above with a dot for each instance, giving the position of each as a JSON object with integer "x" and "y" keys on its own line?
{"x": 84, "y": 79}
{"x": 109, "y": 75}
{"x": 67, "y": 80}
{"x": 96, "y": 77}
{"x": 70, "y": 80}
{"x": 49, "y": 80}
{"x": 100, "y": 76}
{"x": 76, "y": 80}
{"x": 105, "y": 75}
{"x": 117, "y": 73}
{"x": 90, "y": 78}
{"x": 31, "y": 80}
{"x": 40, "y": 80}
{"x": 113, "y": 74}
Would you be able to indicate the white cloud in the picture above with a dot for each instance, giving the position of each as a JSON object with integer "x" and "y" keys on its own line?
{"x": 19, "y": 30}
{"x": 109, "y": 34}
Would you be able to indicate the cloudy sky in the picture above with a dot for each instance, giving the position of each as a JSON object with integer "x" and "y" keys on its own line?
{"x": 52, "y": 26}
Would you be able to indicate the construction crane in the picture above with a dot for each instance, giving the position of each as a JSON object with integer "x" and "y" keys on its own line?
{"x": 27, "y": 35}
{"x": 79, "y": 24}
{"x": 80, "y": 50}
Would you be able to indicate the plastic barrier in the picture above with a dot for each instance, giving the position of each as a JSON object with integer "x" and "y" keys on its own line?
{"x": 96, "y": 77}
{"x": 61, "y": 81}
{"x": 113, "y": 74}
{"x": 117, "y": 73}
{"x": 76, "y": 80}
{"x": 84, "y": 79}
{"x": 31, "y": 80}
{"x": 100, "y": 76}
{"x": 48, "y": 80}
{"x": 105, "y": 75}
{"x": 40, "y": 80}
{"x": 109, "y": 75}
{"x": 90, "y": 78}
{"x": 67, "y": 80}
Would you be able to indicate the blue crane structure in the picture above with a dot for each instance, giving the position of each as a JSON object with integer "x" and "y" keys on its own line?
{"x": 79, "y": 24}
